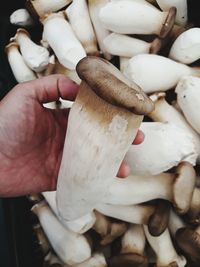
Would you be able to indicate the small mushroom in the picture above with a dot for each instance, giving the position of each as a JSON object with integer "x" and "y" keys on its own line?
{"x": 165, "y": 146}
{"x": 79, "y": 18}
{"x": 127, "y": 17}
{"x": 164, "y": 249}
{"x": 40, "y": 8}
{"x": 106, "y": 115}
{"x": 20, "y": 70}
{"x": 81, "y": 225}
{"x": 164, "y": 112}
{"x": 185, "y": 48}
{"x": 126, "y": 46}
{"x": 181, "y": 9}
{"x": 94, "y": 7}
{"x": 108, "y": 229}
{"x": 61, "y": 38}
{"x": 35, "y": 56}
{"x": 155, "y": 73}
{"x": 132, "y": 251}
{"x": 71, "y": 248}
{"x": 188, "y": 99}
{"x": 22, "y": 18}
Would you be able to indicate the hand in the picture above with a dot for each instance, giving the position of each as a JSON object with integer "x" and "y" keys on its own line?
{"x": 32, "y": 137}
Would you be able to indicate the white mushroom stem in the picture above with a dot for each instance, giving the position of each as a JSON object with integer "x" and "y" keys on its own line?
{"x": 175, "y": 223}
{"x": 155, "y": 73}
{"x": 42, "y": 239}
{"x": 21, "y": 71}
{"x": 80, "y": 225}
{"x": 126, "y": 46}
{"x": 153, "y": 156}
{"x": 126, "y": 17}
{"x": 164, "y": 112}
{"x": 107, "y": 229}
{"x": 72, "y": 248}
{"x": 123, "y": 61}
{"x": 40, "y": 8}
{"x": 181, "y": 7}
{"x": 164, "y": 249}
{"x": 133, "y": 241}
{"x": 61, "y": 38}
{"x": 35, "y": 56}
{"x": 94, "y": 8}
{"x": 188, "y": 98}
{"x": 185, "y": 48}
{"x": 169, "y": 186}
{"x": 79, "y": 18}
{"x": 138, "y": 214}
{"x": 22, "y": 18}
{"x": 106, "y": 132}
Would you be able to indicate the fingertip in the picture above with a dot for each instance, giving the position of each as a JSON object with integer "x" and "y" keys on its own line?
{"x": 124, "y": 171}
{"x": 68, "y": 89}
{"x": 139, "y": 138}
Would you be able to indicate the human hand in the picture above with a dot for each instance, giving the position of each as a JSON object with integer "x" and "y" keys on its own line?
{"x": 32, "y": 136}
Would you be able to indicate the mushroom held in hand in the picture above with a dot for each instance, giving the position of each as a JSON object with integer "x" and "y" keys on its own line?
{"x": 106, "y": 116}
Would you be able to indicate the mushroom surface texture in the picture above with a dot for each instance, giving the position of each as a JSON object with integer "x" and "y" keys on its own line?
{"x": 106, "y": 115}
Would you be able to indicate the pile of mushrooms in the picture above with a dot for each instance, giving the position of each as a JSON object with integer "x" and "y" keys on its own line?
{"x": 136, "y": 62}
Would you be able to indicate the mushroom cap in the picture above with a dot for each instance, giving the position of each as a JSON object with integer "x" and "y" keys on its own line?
{"x": 189, "y": 241}
{"x": 110, "y": 84}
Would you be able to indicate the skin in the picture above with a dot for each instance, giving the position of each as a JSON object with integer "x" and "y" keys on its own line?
{"x": 32, "y": 137}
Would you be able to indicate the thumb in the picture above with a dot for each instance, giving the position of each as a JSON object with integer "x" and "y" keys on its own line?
{"x": 51, "y": 88}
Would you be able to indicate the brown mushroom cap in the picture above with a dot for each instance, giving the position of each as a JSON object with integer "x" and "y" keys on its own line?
{"x": 158, "y": 221}
{"x": 184, "y": 187}
{"x": 111, "y": 85}
{"x": 189, "y": 241}
{"x": 169, "y": 23}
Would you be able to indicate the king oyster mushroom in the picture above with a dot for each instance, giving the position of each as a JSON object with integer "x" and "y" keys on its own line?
{"x": 106, "y": 114}
{"x": 21, "y": 71}
{"x": 181, "y": 7}
{"x": 127, "y": 17}
{"x": 40, "y": 8}
{"x": 155, "y": 73}
{"x": 61, "y": 38}
{"x": 188, "y": 99}
{"x": 35, "y": 56}
{"x": 185, "y": 48}
{"x": 79, "y": 18}
{"x": 158, "y": 152}
{"x": 21, "y": 17}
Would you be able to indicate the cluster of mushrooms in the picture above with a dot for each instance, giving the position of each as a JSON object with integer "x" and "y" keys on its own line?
{"x": 135, "y": 63}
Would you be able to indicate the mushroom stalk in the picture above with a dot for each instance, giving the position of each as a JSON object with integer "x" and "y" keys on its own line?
{"x": 42, "y": 239}
{"x": 61, "y": 38}
{"x": 123, "y": 61}
{"x": 164, "y": 249}
{"x": 81, "y": 225}
{"x": 185, "y": 48}
{"x": 181, "y": 9}
{"x": 100, "y": 115}
{"x": 155, "y": 73}
{"x": 132, "y": 248}
{"x": 97, "y": 260}
{"x": 94, "y": 8}
{"x": 79, "y": 18}
{"x": 40, "y": 8}
{"x": 153, "y": 156}
{"x": 167, "y": 186}
{"x": 164, "y": 112}
{"x": 175, "y": 223}
{"x": 193, "y": 214}
{"x": 35, "y": 56}
{"x": 109, "y": 230}
{"x": 126, "y": 17}
{"x": 72, "y": 248}
{"x": 188, "y": 98}
{"x": 21, "y": 17}
{"x": 126, "y": 46}
{"x": 21, "y": 71}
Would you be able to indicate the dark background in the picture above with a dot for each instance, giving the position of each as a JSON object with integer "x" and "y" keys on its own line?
{"x": 18, "y": 246}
